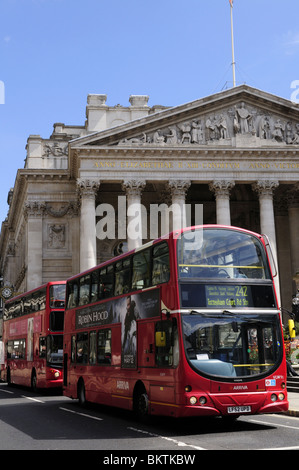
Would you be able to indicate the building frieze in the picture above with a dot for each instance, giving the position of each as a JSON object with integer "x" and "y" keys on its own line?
{"x": 235, "y": 126}
{"x": 248, "y": 162}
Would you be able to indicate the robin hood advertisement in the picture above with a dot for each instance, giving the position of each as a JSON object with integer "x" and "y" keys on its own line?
{"x": 127, "y": 311}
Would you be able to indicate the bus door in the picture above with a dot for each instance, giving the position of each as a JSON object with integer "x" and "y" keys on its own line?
{"x": 146, "y": 344}
{"x": 163, "y": 392}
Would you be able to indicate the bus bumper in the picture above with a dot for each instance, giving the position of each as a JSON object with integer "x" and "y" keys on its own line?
{"x": 54, "y": 383}
{"x": 235, "y": 404}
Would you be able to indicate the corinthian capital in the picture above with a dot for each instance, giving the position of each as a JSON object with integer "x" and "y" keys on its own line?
{"x": 133, "y": 187}
{"x": 265, "y": 188}
{"x": 88, "y": 187}
{"x": 179, "y": 187}
{"x": 34, "y": 208}
{"x": 221, "y": 187}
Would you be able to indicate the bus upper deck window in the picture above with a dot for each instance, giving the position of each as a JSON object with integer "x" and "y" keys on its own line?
{"x": 122, "y": 277}
{"x": 72, "y": 301}
{"x": 84, "y": 290}
{"x": 141, "y": 270}
{"x": 161, "y": 269}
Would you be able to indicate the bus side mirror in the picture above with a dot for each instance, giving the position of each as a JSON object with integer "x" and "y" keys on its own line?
{"x": 160, "y": 339}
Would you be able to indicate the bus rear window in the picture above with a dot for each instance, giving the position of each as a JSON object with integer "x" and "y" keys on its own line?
{"x": 57, "y": 296}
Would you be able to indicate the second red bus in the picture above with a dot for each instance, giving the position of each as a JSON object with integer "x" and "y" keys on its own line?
{"x": 33, "y": 337}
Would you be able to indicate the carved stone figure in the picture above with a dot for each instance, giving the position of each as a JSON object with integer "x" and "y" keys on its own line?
{"x": 172, "y": 138}
{"x": 196, "y": 132}
{"x": 157, "y": 138}
{"x": 210, "y": 128}
{"x": 289, "y": 133}
{"x": 264, "y": 128}
{"x": 186, "y": 130}
{"x": 296, "y": 135}
{"x": 222, "y": 126}
{"x": 278, "y": 133}
{"x": 135, "y": 140}
{"x": 242, "y": 120}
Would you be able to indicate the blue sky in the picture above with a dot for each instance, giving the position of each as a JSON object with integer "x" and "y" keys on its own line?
{"x": 54, "y": 52}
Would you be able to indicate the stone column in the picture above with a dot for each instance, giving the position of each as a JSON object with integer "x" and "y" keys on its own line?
{"x": 265, "y": 190}
{"x": 222, "y": 191}
{"x": 135, "y": 212}
{"x": 88, "y": 252}
{"x": 33, "y": 213}
{"x": 178, "y": 189}
{"x": 293, "y": 210}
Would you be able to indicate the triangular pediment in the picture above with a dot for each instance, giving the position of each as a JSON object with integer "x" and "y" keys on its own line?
{"x": 239, "y": 117}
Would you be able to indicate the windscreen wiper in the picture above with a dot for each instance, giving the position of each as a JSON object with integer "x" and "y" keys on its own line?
{"x": 227, "y": 312}
{"x": 213, "y": 314}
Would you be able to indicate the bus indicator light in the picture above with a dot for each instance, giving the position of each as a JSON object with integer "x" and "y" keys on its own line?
{"x": 202, "y": 400}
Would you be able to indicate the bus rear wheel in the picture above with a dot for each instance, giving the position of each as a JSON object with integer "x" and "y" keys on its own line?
{"x": 141, "y": 404}
{"x": 81, "y": 393}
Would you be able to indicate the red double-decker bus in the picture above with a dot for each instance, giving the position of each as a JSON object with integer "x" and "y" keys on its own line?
{"x": 187, "y": 325}
{"x": 33, "y": 337}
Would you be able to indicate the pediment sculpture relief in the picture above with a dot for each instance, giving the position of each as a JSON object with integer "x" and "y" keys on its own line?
{"x": 55, "y": 149}
{"x": 239, "y": 121}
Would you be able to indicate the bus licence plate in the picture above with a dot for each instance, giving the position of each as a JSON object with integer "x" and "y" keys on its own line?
{"x": 239, "y": 409}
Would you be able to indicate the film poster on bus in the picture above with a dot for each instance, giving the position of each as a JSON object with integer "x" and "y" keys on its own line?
{"x": 127, "y": 311}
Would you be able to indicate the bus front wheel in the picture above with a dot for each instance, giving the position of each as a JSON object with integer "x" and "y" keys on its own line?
{"x": 8, "y": 377}
{"x": 33, "y": 381}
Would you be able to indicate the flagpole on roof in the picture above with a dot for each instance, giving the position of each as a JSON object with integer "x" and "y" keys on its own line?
{"x": 233, "y": 49}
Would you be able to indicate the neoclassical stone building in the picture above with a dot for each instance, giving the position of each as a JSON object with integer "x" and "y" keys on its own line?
{"x": 235, "y": 152}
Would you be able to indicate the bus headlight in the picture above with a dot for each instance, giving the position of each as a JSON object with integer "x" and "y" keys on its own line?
{"x": 55, "y": 373}
{"x": 281, "y": 396}
{"x": 193, "y": 400}
{"x": 202, "y": 400}
{"x": 273, "y": 397}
